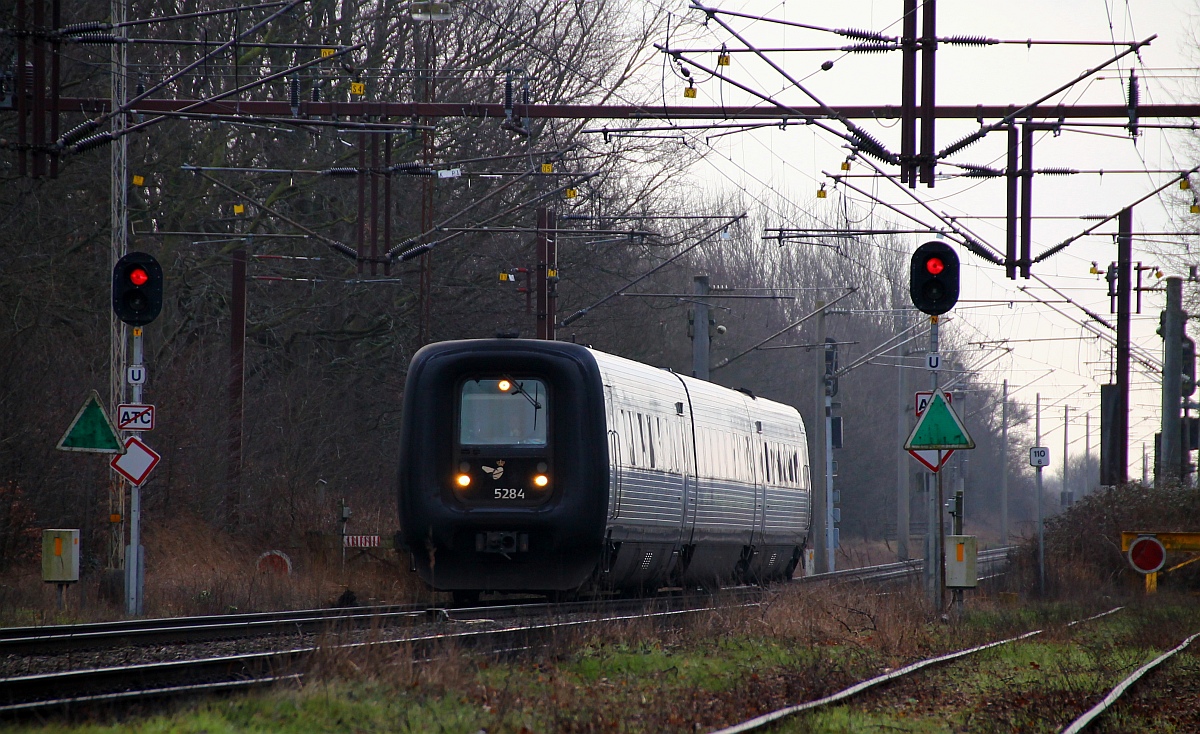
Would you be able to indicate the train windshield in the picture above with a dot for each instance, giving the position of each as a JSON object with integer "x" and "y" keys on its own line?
{"x": 503, "y": 412}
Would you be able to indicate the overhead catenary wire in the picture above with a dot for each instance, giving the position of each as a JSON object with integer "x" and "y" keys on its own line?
{"x": 586, "y": 310}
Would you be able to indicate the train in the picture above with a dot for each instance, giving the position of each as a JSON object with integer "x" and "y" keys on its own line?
{"x": 553, "y": 468}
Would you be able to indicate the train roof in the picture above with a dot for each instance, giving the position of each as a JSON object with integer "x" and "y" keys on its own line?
{"x": 601, "y": 360}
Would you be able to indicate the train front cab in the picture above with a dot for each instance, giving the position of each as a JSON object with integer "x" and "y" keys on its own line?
{"x": 503, "y": 466}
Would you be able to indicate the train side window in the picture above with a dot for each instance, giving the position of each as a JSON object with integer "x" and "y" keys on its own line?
{"x": 650, "y": 441}
{"x": 706, "y": 458}
{"x": 663, "y": 445}
{"x": 730, "y": 462}
{"x": 670, "y": 451}
{"x": 726, "y": 461}
{"x": 709, "y": 455}
{"x": 726, "y": 458}
{"x": 671, "y": 455}
{"x": 710, "y": 449}
{"x": 714, "y": 438}
{"x": 630, "y": 435}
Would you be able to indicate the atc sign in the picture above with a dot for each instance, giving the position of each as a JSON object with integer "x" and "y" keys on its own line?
{"x": 132, "y": 417}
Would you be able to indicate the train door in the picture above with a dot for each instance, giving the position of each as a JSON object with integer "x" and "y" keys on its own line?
{"x": 615, "y": 475}
{"x": 754, "y": 445}
{"x": 755, "y": 458}
{"x": 691, "y": 483}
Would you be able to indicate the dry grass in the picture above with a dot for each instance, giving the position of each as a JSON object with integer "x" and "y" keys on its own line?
{"x": 192, "y": 569}
{"x": 858, "y": 553}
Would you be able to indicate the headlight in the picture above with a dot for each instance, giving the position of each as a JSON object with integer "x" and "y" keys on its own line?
{"x": 463, "y": 480}
{"x": 541, "y": 480}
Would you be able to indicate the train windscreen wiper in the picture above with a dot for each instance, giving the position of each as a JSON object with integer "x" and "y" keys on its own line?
{"x": 519, "y": 388}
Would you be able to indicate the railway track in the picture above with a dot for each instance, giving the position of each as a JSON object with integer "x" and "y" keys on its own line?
{"x": 492, "y": 630}
{"x": 989, "y": 563}
{"x": 180, "y": 630}
{"x": 764, "y": 722}
{"x": 288, "y": 640}
{"x": 177, "y": 630}
{"x": 1106, "y": 704}
{"x": 1076, "y": 726}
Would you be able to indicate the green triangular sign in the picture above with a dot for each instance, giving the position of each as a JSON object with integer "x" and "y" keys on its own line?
{"x": 939, "y": 428}
{"x": 91, "y": 431}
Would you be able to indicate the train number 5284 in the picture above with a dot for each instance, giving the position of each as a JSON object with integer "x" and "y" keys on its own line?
{"x": 509, "y": 493}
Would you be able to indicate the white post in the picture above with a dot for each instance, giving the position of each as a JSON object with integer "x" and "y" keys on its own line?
{"x": 1037, "y": 441}
{"x": 134, "y": 575}
{"x": 903, "y": 473}
{"x": 1004, "y": 468}
{"x": 935, "y": 540}
{"x": 1087, "y": 453}
{"x": 830, "y": 528}
{"x": 1066, "y": 485}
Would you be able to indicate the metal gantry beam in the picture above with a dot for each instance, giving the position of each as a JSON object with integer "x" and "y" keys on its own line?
{"x": 495, "y": 110}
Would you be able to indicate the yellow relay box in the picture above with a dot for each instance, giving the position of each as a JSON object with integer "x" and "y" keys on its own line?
{"x": 960, "y": 562}
{"x": 60, "y": 556}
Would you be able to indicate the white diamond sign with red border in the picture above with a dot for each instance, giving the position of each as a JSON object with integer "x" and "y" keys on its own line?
{"x": 137, "y": 462}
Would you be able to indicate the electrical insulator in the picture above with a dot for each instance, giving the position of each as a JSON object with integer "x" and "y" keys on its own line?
{"x": 1134, "y": 96}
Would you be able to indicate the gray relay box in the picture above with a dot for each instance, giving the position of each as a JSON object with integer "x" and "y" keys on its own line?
{"x": 60, "y": 556}
{"x": 960, "y": 561}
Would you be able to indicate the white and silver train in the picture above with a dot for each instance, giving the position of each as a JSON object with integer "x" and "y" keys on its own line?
{"x": 550, "y": 467}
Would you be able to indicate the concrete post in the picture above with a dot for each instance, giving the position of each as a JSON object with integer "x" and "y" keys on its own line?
{"x": 1170, "y": 454}
{"x": 700, "y": 340}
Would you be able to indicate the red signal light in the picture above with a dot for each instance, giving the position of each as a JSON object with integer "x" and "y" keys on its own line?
{"x": 935, "y": 265}
{"x": 138, "y": 276}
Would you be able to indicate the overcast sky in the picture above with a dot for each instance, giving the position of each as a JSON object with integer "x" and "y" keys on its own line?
{"x": 765, "y": 165}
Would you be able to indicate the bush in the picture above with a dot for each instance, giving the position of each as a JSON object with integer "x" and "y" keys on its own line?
{"x": 1083, "y": 544}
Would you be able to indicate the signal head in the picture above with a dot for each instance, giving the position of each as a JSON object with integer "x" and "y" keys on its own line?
{"x": 933, "y": 278}
{"x": 137, "y": 286}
